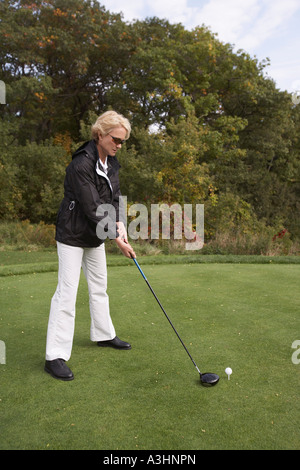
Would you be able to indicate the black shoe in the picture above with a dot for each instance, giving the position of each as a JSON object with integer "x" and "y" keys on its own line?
{"x": 114, "y": 343}
{"x": 59, "y": 369}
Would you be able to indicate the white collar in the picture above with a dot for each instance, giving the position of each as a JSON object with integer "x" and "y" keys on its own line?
{"x": 101, "y": 173}
{"x": 104, "y": 165}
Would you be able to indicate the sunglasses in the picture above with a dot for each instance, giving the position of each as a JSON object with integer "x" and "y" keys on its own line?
{"x": 116, "y": 140}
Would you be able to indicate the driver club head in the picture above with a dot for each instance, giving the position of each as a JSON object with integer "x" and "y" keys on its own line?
{"x": 209, "y": 379}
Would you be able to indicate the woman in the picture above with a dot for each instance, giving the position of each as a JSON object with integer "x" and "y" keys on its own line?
{"x": 91, "y": 182}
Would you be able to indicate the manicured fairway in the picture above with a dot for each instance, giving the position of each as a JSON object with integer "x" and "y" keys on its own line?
{"x": 245, "y": 316}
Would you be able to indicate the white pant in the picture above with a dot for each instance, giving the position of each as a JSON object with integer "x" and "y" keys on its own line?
{"x": 62, "y": 312}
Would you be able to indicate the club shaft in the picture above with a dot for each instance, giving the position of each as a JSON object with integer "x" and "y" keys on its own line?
{"x": 166, "y": 315}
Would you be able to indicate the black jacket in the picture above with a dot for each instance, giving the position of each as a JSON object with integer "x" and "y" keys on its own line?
{"x": 85, "y": 189}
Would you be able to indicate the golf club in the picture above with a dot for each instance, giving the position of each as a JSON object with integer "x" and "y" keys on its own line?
{"x": 207, "y": 379}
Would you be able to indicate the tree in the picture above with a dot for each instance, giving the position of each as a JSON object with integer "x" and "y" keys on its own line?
{"x": 208, "y": 126}
{"x": 41, "y": 41}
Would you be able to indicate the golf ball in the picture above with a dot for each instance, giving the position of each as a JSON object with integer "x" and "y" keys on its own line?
{"x": 228, "y": 371}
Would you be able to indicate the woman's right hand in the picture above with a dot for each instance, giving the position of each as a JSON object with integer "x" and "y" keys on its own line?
{"x": 126, "y": 248}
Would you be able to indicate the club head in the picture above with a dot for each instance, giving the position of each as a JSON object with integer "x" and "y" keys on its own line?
{"x": 208, "y": 379}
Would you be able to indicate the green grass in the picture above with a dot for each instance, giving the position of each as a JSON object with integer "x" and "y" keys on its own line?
{"x": 26, "y": 262}
{"x": 245, "y": 316}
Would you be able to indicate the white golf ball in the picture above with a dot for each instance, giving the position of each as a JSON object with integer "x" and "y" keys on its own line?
{"x": 228, "y": 371}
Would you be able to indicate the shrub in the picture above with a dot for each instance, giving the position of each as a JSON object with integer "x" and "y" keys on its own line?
{"x": 24, "y": 235}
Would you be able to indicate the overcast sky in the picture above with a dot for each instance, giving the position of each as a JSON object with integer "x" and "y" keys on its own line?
{"x": 263, "y": 28}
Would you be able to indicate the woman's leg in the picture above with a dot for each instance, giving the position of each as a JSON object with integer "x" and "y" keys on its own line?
{"x": 62, "y": 312}
{"x": 94, "y": 268}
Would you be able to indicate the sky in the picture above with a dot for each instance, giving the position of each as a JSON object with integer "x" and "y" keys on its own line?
{"x": 262, "y": 28}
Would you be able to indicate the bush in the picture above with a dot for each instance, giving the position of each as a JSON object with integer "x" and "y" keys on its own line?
{"x": 26, "y": 236}
{"x": 260, "y": 243}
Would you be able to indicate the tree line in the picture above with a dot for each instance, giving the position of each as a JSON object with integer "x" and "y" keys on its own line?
{"x": 208, "y": 125}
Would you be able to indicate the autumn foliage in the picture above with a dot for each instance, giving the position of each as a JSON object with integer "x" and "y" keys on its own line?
{"x": 208, "y": 125}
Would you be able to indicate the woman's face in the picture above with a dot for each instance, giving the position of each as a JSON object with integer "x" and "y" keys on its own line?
{"x": 112, "y": 142}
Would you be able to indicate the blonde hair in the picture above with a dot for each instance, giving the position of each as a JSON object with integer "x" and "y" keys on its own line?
{"x": 107, "y": 122}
